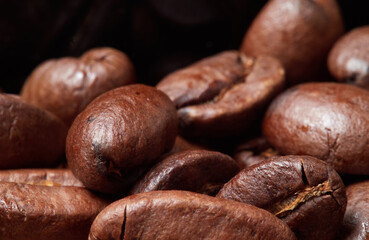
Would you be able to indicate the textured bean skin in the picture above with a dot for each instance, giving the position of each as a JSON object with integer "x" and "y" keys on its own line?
{"x": 222, "y": 96}
{"x": 119, "y": 135}
{"x": 199, "y": 171}
{"x": 356, "y": 219}
{"x": 349, "y": 58}
{"x": 297, "y": 32}
{"x": 329, "y": 121}
{"x": 303, "y": 191}
{"x": 29, "y": 136}
{"x": 43, "y": 212}
{"x": 185, "y": 215}
{"x": 57, "y": 177}
{"x": 67, "y": 85}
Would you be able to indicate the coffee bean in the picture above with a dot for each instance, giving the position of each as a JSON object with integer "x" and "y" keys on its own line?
{"x": 329, "y": 121}
{"x": 47, "y": 212}
{"x": 303, "y": 191}
{"x": 66, "y": 86}
{"x": 349, "y": 58}
{"x": 29, "y": 136}
{"x": 356, "y": 219}
{"x": 119, "y": 135}
{"x": 199, "y": 171}
{"x": 224, "y": 95}
{"x": 185, "y": 215}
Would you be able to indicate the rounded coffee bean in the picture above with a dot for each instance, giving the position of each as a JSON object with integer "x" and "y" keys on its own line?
{"x": 329, "y": 121}
{"x": 44, "y": 212}
{"x": 47, "y": 177}
{"x": 199, "y": 171}
{"x": 224, "y": 95}
{"x": 66, "y": 86}
{"x": 349, "y": 58}
{"x": 29, "y": 136}
{"x": 356, "y": 219}
{"x": 299, "y": 33}
{"x": 119, "y": 135}
{"x": 303, "y": 191}
{"x": 185, "y": 215}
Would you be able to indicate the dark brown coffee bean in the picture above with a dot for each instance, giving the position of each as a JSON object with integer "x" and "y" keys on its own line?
{"x": 65, "y": 86}
{"x": 303, "y": 191}
{"x": 356, "y": 220}
{"x": 48, "y": 177}
{"x": 299, "y": 33}
{"x": 185, "y": 215}
{"x": 44, "y": 213}
{"x": 253, "y": 152}
{"x": 29, "y": 136}
{"x": 223, "y": 95}
{"x": 329, "y": 121}
{"x": 349, "y": 58}
{"x": 199, "y": 171}
{"x": 114, "y": 140}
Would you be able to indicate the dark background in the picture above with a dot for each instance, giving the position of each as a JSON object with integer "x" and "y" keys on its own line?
{"x": 159, "y": 35}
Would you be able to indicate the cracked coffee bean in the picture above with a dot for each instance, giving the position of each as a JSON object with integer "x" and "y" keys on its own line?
{"x": 303, "y": 191}
{"x": 299, "y": 33}
{"x": 29, "y": 136}
{"x": 67, "y": 85}
{"x": 119, "y": 135}
{"x": 47, "y": 211}
{"x": 185, "y": 215}
{"x": 199, "y": 171}
{"x": 224, "y": 95}
{"x": 356, "y": 220}
{"x": 329, "y": 121}
{"x": 48, "y": 177}
{"x": 349, "y": 58}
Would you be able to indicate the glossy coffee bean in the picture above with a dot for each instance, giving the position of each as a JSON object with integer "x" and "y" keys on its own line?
{"x": 67, "y": 85}
{"x": 185, "y": 215}
{"x": 199, "y": 171}
{"x": 349, "y": 58}
{"x": 223, "y": 95}
{"x": 329, "y": 121}
{"x": 29, "y": 136}
{"x": 119, "y": 135}
{"x": 47, "y": 211}
{"x": 297, "y": 32}
{"x": 356, "y": 219}
{"x": 303, "y": 191}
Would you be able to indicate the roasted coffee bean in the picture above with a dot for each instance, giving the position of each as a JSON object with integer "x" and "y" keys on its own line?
{"x": 329, "y": 121}
{"x": 48, "y": 177}
{"x": 356, "y": 220}
{"x": 185, "y": 215}
{"x": 224, "y": 95}
{"x": 199, "y": 171}
{"x": 66, "y": 86}
{"x": 349, "y": 58}
{"x": 44, "y": 212}
{"x": 303, "y": 191}
{"x": 299, "y": 33}
{"x": 253, "y": 152}
{"x": 114, "y": 140}
{"x": 29, "y": 136}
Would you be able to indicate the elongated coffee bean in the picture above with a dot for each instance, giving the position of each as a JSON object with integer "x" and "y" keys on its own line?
{"x": 114, "y": 140}
{"x": 303, "y": 191}
{"x": 185, "y": 215}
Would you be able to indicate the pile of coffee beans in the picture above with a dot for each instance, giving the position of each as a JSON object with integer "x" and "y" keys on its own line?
{"x": 267, "y": 141}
